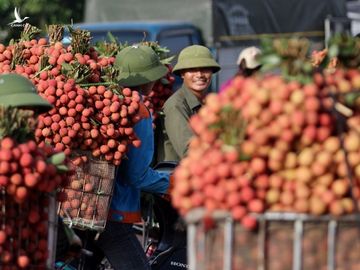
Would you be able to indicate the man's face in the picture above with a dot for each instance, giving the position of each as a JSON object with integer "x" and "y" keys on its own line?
{"x": 197, "y": 79}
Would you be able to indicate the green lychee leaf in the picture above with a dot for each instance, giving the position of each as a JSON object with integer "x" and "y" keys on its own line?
{"x": 62, "y": 168}
{"x": 57, "y": 159}
{"x": 333, "y": 51}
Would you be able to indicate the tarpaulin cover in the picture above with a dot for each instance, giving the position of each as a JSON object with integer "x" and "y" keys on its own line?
{"x": 224, "y": 22}
{"x": 241, "y": 20}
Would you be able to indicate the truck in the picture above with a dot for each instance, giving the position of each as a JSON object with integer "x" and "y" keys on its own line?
{"x": 224, "y": 26}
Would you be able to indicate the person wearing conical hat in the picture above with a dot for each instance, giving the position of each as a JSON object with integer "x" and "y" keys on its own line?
{"x": 139, "y": 68}
{"x": 195, "y": 65}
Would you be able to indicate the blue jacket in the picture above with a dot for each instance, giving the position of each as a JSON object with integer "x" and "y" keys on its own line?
{"x": 135, "y": 174}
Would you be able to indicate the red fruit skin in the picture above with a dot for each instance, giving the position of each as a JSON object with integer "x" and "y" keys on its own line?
{"x": 249, "y": 222}
{"x": 247, "y": 194}
{"x": 224, "y": 170}
{"x": 21, "y": 193}
{"x": 256, "y": 206}
{"x": 16, "y": 153}
{"x": 4, "y": 167}
{"x": 41, "y": 166}
{"x": 136, "y": 143}
{"x": 219, "y": 194}
{"x": 6, "y": 154}
{"x": 16, "y": 179}
{"x": 238, "y": 212}
{"x": 31, "y": 180}
{"x": 3, "y": 237}
{"x": 23, "y": 261}
{"x": 7, "y": 143}
{"x": 262, "y": 181}
{"x": 4, "y": 180}
{"x": 26, "y": 160}
{"x": 233, "y": 199}
{"x": 243, "y": 181}
{"x": 33, "y": 217}
{"x": 258, "y": 165}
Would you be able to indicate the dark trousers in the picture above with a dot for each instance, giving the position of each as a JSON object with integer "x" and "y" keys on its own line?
{"x": 119, "y": 244}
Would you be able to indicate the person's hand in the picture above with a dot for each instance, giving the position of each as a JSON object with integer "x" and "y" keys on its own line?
{"x": 167, "y": 195}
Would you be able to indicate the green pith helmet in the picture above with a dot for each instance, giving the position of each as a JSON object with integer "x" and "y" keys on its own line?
{"x": 18, "y": 91}
{"x": 139, "y": 65}
{"x": 195, "y": 56}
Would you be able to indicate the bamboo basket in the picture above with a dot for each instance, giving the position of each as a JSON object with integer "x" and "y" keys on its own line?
{"x": 89, "y": 194}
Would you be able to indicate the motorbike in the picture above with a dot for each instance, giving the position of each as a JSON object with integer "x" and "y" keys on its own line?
{"x": 168, "y": 250}
{"x": 69, "y": 248}
{"x": 163, "y": 234}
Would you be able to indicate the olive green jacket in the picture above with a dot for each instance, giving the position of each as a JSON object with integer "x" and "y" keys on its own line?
{"x": 177, "y": 111}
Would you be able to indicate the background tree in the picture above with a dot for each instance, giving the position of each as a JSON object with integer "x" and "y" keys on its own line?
{"x": 40, "y": 13}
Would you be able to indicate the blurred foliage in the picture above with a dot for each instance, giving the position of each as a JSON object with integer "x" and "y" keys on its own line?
{"x": 290, "y": 56}
{"x": 294, "y": 60}
{"x": 346, "y": 49}
{"x": 343, "y": 51}
{"x": 40, "y": 13}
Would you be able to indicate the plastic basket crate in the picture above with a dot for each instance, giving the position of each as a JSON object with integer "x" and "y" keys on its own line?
{"x": 26, "y": 234}
{"x": 283, "y": 241}
{"x": 89, "y": 195}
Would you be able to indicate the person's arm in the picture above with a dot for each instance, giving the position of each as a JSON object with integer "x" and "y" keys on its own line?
{"x": 135, "y": 170}
{"x": 177, "y": 127}
{"x": 149, "y": 180}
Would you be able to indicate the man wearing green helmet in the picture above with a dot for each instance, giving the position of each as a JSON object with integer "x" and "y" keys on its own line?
{"x": 18, "y": 91}
{"x": 140, "y": 68}
{"x": 196, "y": 66}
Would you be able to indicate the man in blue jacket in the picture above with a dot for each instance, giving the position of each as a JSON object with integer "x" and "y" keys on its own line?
{"x": 140, "y": 68}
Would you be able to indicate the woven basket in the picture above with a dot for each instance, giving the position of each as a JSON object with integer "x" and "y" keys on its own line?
{"x": 89, "y": 195}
